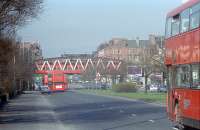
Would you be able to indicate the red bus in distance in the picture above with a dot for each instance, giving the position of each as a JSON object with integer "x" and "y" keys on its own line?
{"x": 182, "y": 58}
{"x": 56, "y": 81}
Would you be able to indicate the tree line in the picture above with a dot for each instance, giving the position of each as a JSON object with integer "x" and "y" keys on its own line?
{"x": 15, "y": 67}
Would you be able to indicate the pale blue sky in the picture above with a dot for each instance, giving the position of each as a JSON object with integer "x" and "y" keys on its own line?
{"x": 79, "y": 26}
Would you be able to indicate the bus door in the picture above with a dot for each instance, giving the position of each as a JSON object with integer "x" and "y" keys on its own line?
{"x": 170, "y": 92}
{"x": 181, "y": 95}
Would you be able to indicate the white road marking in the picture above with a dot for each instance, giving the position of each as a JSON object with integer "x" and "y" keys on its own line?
{"x": 8, "y": 120}
{"x": 133, "y": 114}
{"x": 152, "y": 121}
{"x": 121, "y": 111}
{"x": 174, "y": 128}
{"x": 58, "y": 123}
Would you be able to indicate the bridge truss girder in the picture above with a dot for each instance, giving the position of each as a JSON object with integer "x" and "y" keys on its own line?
{"x": 78, "y": 64}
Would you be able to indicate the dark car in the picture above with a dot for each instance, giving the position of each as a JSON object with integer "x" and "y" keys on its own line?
{"x": 162, "y": 88}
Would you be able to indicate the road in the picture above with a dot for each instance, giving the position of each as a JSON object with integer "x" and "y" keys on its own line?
{"x": 76, "y": 111}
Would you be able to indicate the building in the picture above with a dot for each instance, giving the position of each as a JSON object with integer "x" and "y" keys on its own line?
{"x": 31, "y": 51}
{"x": 77, "y": 56}
{"x": 141, "y": 56}
{"x": 136, "y": 49}
{"x": 36, "y": 51}
{"x": 123, "y": 49}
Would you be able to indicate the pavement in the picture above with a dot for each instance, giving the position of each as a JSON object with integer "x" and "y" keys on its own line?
{"x": 77, "y": 111}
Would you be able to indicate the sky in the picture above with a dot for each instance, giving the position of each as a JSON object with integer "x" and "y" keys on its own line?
{"x": 79, "y": 26}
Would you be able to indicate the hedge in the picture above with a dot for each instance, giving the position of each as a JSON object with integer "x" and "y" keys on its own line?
{"x": 125, "y": 87}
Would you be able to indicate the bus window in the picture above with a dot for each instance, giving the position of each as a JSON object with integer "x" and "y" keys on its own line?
{"x": 168, "y": 28}
{"x": 195, "y": 9}
{"x": 183, "y": 76}
{"x": 196, "y": 76}
{"x": 170, "y": 77}
{"x": 195, "y": 16}
{"x": 194, "y": 20}
{"x": 185, "y": 21}
{"x": 176, "y": 25}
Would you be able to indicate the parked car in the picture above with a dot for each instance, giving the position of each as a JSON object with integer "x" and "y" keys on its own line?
{"x": 37, "y": 87}
{"x": 162, "y": 88}
{"x": 45, "y": 89}
{"x": 103, "y": 86}
{"x": 153, "y": 88}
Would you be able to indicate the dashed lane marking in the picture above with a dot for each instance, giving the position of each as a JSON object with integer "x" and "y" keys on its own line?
{"x": 133, "y": 114}
{"x": 152, "y": 121}
{"x": 121, "y": 111}
{"x": 174, "y": 128}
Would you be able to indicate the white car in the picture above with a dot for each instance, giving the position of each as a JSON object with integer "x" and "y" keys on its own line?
{"x": 153, "y": 88}
{"x": 45, "y": 89}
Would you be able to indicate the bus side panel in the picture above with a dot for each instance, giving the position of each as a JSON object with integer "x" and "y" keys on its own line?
{"x": 170, "y": 105}
{"x": 189, "y": 53}
{"x": 191, "y": 104}
{"x": 191, "y": 108}
{"x": 45, "y": 80}
{"x": 189, "y": 50}
{"x": 66, "y": 81}
{"x": 198, "y": 117}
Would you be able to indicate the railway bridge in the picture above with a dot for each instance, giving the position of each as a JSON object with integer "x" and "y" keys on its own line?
{"x": 77, "y": 65}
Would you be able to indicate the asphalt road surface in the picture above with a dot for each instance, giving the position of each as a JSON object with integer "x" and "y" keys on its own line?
{"x": 76, "y": 111}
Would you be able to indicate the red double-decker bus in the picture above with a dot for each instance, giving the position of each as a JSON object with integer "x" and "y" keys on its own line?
{"x": 56, "y": 81}
{"x": 182, "y": 59}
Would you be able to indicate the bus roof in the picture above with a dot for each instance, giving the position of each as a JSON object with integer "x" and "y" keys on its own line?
{"x": 182, "y": 7}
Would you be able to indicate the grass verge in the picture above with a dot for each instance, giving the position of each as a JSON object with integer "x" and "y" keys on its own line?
{"x": 151, "y": 97}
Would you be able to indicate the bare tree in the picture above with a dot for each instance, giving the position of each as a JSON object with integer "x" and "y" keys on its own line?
{"x": 16, "y": 68}
{"x": 113, "y": 73}
{"x": 102, "y": 46}
{"x": 6, "y": 58}
{"x": 13, "y": 66}
{"x": 15, "y": 13}
{"x": 152, "y": 60}
{"x": 89, "y": 74}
